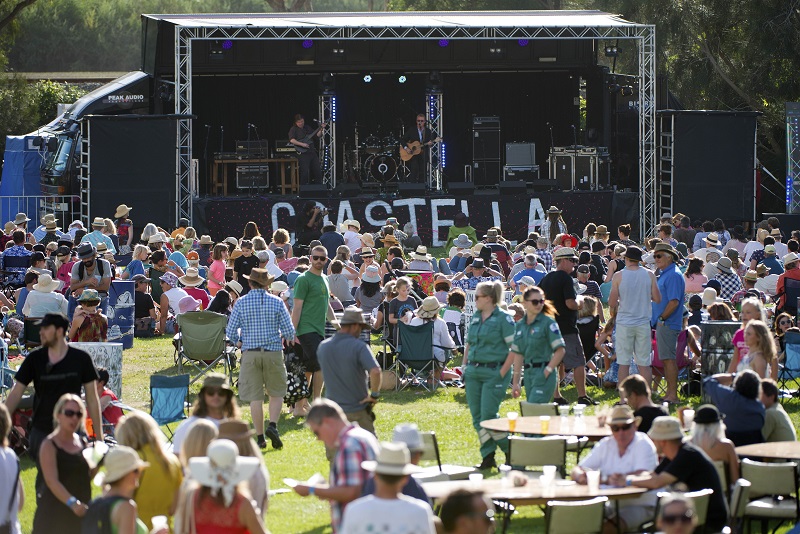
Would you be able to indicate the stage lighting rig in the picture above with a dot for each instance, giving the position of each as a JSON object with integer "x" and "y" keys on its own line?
{"x": 367, "y": 78}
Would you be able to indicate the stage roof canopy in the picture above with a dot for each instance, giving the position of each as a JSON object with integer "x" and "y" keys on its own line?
{"x": 498, "y": 24}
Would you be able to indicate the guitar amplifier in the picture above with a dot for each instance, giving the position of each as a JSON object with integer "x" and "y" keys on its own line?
{"x": 520, "y": 154}
{"x": 252, "y": 176}
{"x": 527, "y": 173}
{"x": 486, "y": 123}
{"x": 283, "y": 146}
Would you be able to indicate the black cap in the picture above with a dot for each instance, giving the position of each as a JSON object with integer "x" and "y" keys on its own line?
{"x": 478, "y": 263}
{"x": 86, "y": 251}
{"x": 598, "y": 246}
{"x": 38, "y": 247}
{"x": 583, "y": 269}
{"x": 706, "y": 414}
{"x": 63, "y": 251}
{"x": 633, "y": 253}
{"x": 37, "y": 256}
{"x": 715, "y": 284}
{"x": 59, "y": 320}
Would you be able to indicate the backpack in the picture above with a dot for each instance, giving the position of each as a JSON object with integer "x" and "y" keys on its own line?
{"x": 82, "y": 268}
{"x": 98, "y": 517}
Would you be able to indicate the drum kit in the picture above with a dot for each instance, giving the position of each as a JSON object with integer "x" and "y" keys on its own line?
{"x": 375, "y": 160}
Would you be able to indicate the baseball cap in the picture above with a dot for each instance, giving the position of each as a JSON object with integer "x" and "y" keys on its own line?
{"x": 139, "y": 278}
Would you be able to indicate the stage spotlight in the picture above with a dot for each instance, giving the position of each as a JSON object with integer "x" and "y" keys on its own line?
{"x": 433, "y": 83}
{"x": 367, "y": 78}
{"x": 522, "y": 42}
{"x": 308, "y": 43}
{"x": 443, "y": 43}
{"x": 627, "y": 90}
{"x": 227, "y": 44}
{"x": 328, "y": 83}
{"x": 611, "y": 51}
{"x": 402, "y": 78}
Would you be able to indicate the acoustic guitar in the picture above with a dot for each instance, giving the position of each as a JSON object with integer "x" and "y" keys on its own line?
{"x": 414, "y": 148}
{"x": 308, "y": 140}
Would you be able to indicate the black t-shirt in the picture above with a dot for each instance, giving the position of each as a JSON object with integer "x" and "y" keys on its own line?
{"x": 67, "y": 376}
{"x": 558, "y": 289}
{"x": 694, "y": 469}
{"x": 648, "y": 415}
{"x": 298, "y": 134}
{"x": 142, "y": 303}
{"x": 242, "y": 266}
{"x": 399, "y": 307}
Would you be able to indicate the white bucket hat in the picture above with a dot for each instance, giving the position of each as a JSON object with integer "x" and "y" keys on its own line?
{"x": 222, "y": 468}
{"x": 393, "y": 459}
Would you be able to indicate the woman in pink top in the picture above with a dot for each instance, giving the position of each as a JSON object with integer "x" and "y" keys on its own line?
{"x": 694, "y": 276}
{"x": 751, "y": 309}
{"x": 216, "y": 272}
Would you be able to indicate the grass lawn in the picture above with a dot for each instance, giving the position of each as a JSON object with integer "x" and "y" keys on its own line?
{"x": 444, "y": 411}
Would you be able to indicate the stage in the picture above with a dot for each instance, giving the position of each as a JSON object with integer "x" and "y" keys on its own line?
{"x": 432, "y": 214}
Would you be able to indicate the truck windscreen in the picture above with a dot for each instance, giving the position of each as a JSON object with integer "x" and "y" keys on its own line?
{"x": 58, "y": 160}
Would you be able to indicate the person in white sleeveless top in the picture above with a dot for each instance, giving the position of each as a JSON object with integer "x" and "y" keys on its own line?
{"x": 633, "y": 290}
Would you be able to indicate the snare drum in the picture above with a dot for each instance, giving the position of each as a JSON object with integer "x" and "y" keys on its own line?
{"x": 372, "y": 145}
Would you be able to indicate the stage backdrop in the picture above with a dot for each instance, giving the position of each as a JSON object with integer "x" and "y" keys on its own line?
{"x": 516, "y": 215}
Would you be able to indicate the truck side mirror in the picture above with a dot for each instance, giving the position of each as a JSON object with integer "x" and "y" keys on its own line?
{"x": 52, "y": 144}
{"x": 37, "y": 141}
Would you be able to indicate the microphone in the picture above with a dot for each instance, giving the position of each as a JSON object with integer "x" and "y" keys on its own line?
{"x": 207, "y": 125}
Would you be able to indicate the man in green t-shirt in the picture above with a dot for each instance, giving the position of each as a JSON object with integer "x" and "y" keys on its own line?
{"x": 311, "y": 309}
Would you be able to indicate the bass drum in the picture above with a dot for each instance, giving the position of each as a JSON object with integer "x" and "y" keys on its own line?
{"x": 382, "y": 168}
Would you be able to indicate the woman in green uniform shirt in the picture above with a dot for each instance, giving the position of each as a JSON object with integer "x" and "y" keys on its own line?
{"x": 537, "y": 348}
{"x": 491, "y": 332}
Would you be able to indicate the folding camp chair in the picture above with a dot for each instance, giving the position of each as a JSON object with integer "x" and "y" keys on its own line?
{"x": 455, "y": 326}
{"x": 168, "y": 399}
{"x": 415, "y": 363}
{"x": 682, "y": 360}
{"x": 13, "y": 262}
{"x": 202, "y": 343}
{"x": 439, "y": 471}
{"x": 30, "y": 334}
{"x": 791, "y": 292}
{"x": 790, "y": 369}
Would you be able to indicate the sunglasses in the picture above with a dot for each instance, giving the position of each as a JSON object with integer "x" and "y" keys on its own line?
{"x": 617, "y": 428}
{"x": 658, "y": 256}
{"x": 671, "y": 519}
{"x": 319, "y": 258}
{"x": 784, "y": 322}
{"x": 72, "y": 413}
{"x": 536, "y": 302}
{"x": 216, "y": 391}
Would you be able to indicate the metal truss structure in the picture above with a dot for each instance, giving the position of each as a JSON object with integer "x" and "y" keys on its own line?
{"x": 792, "y": 157}
{"x": 327, "y": 114}
{"x": 581, "y": 25}
{"x": 435, "y": 117}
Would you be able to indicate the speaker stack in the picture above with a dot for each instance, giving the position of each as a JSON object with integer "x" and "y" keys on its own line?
{"x": 486, "y": 155}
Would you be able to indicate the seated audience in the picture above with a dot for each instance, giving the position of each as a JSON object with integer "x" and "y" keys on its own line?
{"x": 45, "y": 298}
{"x": 740, "y": 404}
{"x": 676, "y": 515}
{"x": 214, "y": 403}
{"x": 467, "y": 512}
{"x": 635, "y": 390}
{"x": 88, "y": 323}
{"x": 708, "y": 433}
{"x": 777, "y": 425}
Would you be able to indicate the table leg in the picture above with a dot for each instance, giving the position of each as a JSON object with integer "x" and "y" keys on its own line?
{"x": 225, "y": 180}
{"x": 283, "y": 177}
{"x": 214, "y": 178}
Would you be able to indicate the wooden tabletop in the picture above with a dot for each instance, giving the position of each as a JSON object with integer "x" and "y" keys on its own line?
{"x": 532, "y": 493}
{"x": 584, "y": 426}
{"x": 776, "y": 450}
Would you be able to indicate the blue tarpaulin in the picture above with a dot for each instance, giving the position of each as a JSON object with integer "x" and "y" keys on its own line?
{"x": 21, "y": 163}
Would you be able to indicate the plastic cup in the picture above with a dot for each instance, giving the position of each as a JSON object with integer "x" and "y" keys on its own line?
{"x": 512, "y": 421}
{"x": 688, "y": 418}
{"x": 579, "y": 410}
{"x": 593, "y": 480}
{"x": 547, "y": 478}
{"x": 475, "y": 479}
{"x": 159, "y": 521}
{"x": 505, "y": 473}
{"x": 544, "y": 422}
{"x": 563, "y": 411}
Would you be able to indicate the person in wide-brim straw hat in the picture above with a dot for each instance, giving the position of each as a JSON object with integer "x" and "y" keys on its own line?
{"x": 122, "y": 211}
{"x": 421, "y": 253}
{"x": 429, "y": 309}
{"x": 260, "y": 277}
{"x": 192, "y": 278}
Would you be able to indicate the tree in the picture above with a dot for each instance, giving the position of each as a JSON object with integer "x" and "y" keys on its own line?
{"x": 12, "y": 8}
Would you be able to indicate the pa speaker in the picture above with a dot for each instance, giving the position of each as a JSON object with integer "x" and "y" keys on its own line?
{"x": 516, "y": 187}
{"x": 314, "y": 191}
{"x": 347, "y": 190}
{"x": 461, "y": 188}
{"x": 411, "y": 190}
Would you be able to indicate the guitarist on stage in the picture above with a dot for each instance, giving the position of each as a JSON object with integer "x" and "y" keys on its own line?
{"x": 308, "y": 160}
{"x": 418, "y": 164}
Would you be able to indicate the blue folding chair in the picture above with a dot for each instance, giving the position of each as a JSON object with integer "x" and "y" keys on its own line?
{"x": 168, "y": 399}
{"x": 789, "y": 371}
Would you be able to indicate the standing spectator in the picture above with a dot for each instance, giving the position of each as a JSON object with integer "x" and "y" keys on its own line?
{"x": 553, "y": 225}
{"x": 486, "y": 354}
{"x": 21, "y": 222}
{"x": 624, "y": 234}
{"x": 216, "y": 272}
{"x": 636, "y": 392}
{"x": 280, "y": 239}
{"x": 257, "y": 324}
{"x": 338, "y": 284}
{"x": 695, "y": 279}
{"x": 169, "y": 303}
{"x": 156, "y": 492}
{"x": 353, "y": 444}
{"x": 63, "y": 480}
{"x": 740, "y": 404}
{"x": 54, "y": 369}
{"x": 388, "y": 507}
{"x": 771, "y": 260}
{"x": 311, "y": 309}
{"x": 244, "y": 264}
{"x": 97, "y": 236}
{"x": 684, "y": 233}
{"x": 685, "y": 463}
{"x": 668, "y": 314}
{"x": 737, "y": 241}
{"x": 17, "y": 250}
{"x": 729, "y": 281}
{"x": 124, "y": 228}
{"x": 347, "y": 362}
{"x": 351, "y": 237}
{"x": 331, "y": 239}
{"x": 11, "y": 489}
{"x": 560, "y": 290}
{"x": 467, "y": 512}
{"x": 633, "y": 292}
{"x": 538, "y": 349}
{"x": 241, "y": 434}
{"x": 781, "y": 248}
{"x": 214, "y": 403}
{"x": 777, "y": 425}
{"x": 89, "y": 325}
{"x": 700, "y": 235}
{"x": 89, "y": 272}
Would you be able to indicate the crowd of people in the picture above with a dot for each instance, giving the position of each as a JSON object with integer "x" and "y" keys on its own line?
{"x": 524, "y": 317}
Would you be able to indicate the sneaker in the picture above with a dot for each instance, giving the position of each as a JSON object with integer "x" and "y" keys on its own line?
{"x": 586, "y": 399}
{"x": 487, "y": 463}
{"x": 561, "y": 401}
{"x": 274, "y": 436}
{"x": 262, "y": 443}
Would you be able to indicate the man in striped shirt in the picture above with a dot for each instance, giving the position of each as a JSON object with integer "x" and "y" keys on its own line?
{"x": 257, "y": 323}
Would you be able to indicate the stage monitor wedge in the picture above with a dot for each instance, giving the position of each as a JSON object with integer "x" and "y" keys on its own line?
{"x": 407, "y": 190}
{"x": 314, "y": 191}
{"x": 462, "y": 189}
{"x": 516, "y": 187}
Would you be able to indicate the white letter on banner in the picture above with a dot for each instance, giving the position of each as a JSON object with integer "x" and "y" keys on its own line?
{"x": 436, "y": 222}
{"x": 412, "y": 212}
{"x": 281, "y": 206}
{"x": 345, "y": 211}
{"x": 535, "y": 214}
{"x": 469, "y": 309}
{"x": 496, "y": 214}
{"x": 465, "y": 207}
{"x": 371, "y": 206}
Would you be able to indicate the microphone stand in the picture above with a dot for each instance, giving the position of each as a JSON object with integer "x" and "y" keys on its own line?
{"x": 575, "y": 153}
{"x": 205, "y": 151}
